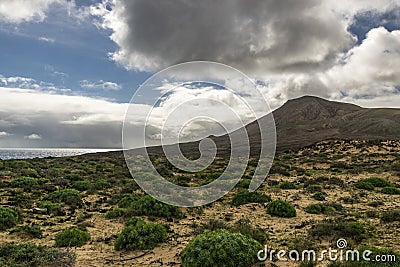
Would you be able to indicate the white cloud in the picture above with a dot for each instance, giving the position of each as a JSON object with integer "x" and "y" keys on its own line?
{"x": 105, "y": 85}
{"x": 4, "y": 134}
{"x": 46, "y": 39}
{"x": 371, "y": 69}
{"x": 60, "y": 120}
{"x": 30, "y": 83}
{"x": 17, "y": 11}
{"x": 33, "y": 137}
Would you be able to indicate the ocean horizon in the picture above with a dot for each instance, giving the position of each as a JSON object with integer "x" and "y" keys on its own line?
{"x": 30, "y": 153}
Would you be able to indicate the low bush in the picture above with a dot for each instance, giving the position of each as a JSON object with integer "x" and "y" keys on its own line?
{"x": 280, "y": 208}
{"x": 287, "y": 185}
{"x": 364, "y": 185}
{"x": 242, "y": 226}
{"x": 8, "y": 218}
{"x": 115, "y": 213}
{"x": 317, "y": 209}
{"x": 72, "y": 237}
{"x": 220, "y": 248}
{"x": 52, "y": 208}
{"x": 314, "y": 188}
{"x": 390, "y": 191}
{"x": 82, "y": 185}
{"x": 391, "y": 216}
{"x": 377, "y": 182}
{"x": 27, "y": 183}
{"x": 138, "y": 234}
{"x": 244, "y": 183}
{"x": 149, "y": 206}
{"x": 339, "y": 229}
{"x": 70, "y": 197}
{"x": 31, "y": 230}
{"x": 245, "y": 196}
{"x": 31, "y": 255}
{"x": 319, "y": 196}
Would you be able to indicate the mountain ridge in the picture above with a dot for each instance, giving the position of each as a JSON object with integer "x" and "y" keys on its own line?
{"x": 306, "y": 120}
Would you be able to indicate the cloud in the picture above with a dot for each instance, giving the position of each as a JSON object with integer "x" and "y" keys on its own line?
{"x": 60, "y": 120}
{"x": 4, "y": 134}
{"x": 371, "y": 69}
{"x": 46, "y": 39}
{"x": 100, "y": 85}
{"x": 30, "y": 83}
{"x": 257, "y": 36}
{"x": 17, "y": 11}
{"x": 33, "y": 137}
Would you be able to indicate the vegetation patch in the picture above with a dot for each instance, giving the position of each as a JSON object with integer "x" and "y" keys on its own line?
{"x": 138, "y": 234}
{"x": 220, "y": 248}
{"x": 280, "y": 208}
{"x": 364, "y": 185}
{"x": 245, "y": 196}
{"x": 8, "y": 218}
{"x": 71, "y": 197}
{"x": 72, "y": 237}
{"x": 339, "y": 229}
{"x": 31, "y": 255}
{"x": 391, "y": 216}
{"x": 318, "y": 209}
{"x": 287, "y": 185}
{"x": 391, "y": 191}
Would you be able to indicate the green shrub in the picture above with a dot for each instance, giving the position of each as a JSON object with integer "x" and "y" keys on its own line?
{"x": 31, "y": 255}
{"x": 72, "y": 237}
{"x": 242, "y": 226}
{"x": 24, "y": 182}
{"x": 287, "y": 185}
{"x": 377, "y": 182}
{"x": 101, "y": 184}
{"x": 280, "y": 208}
{"x": 244, "y": 183}
{"x": 391, "y": 216}
{"x": 70, "y": 197}
{"x": 74, "y": 177}
{"x": 115, "y": 213}
{"x": 319, "y": 196}
{"x": 245, "y": 196}
{"x": 314, "y": 188}
{"x": 148, "y": 206}
{"x": 52, "y": 208}
{"x": 390, "y": 191}
{"x": 339, "y": 229}
{"x": 127, "y": 201}
{"x": 82, "y": 185}
{"x": 8, "y": 218}
{"x": 31, "y": 230}
{"x": 364, "y": 185}
{"x": 317, "y": 209}
{"x": 220, "y": 248}
{"x": 140, "y": 235}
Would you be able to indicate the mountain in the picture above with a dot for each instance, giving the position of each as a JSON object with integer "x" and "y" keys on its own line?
{"x": 306, "y": 120}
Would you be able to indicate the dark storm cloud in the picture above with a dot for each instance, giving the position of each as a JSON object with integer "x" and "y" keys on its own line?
{"x": 255, "y": 35}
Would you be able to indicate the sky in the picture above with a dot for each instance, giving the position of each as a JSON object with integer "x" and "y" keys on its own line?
{"x": 70, "y": 68}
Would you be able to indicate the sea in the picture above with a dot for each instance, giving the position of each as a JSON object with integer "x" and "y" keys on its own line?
{"x": 30, "y": 153}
